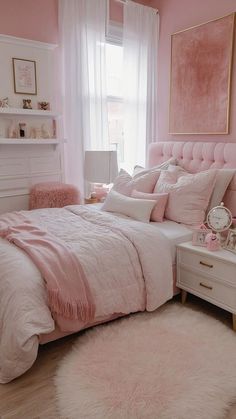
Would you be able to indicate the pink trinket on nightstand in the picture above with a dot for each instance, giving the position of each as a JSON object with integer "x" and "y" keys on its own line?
{"x": 212, "y": 242}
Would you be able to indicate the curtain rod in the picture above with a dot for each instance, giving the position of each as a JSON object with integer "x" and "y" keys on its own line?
{"x": 126, "y": 1}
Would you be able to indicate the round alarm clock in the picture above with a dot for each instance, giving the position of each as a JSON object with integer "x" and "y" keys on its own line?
{"x": 219, "y": 218}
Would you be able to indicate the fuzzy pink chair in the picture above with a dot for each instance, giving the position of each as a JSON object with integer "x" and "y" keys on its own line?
{"x": 53, "y": 194}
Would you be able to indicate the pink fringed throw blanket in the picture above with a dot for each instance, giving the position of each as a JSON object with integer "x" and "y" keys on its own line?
{"x": 68, "y": 292}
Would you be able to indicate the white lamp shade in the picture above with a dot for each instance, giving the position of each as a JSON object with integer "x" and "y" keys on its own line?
{"x": 100, "y": 166}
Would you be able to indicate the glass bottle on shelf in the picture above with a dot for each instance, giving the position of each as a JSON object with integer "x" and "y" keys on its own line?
{"x": 22, "y": 129}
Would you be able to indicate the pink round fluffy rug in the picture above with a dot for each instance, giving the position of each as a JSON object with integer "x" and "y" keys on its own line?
{"x": 175, "y": 363}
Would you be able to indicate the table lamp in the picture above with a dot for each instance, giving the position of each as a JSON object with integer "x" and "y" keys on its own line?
{"x": 100, "y": 169}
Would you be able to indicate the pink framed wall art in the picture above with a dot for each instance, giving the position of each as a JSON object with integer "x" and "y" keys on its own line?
{"x": 201, "y": 65}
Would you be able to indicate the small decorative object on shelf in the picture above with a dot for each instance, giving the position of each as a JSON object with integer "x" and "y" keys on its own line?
{"x": 12, "y": 131}
{"x": 44, "y": 106}
{"x": 230, "y": 243}
{"x": 212, "y": 242}
{"x": 38, "y": 133}
{"x": 199, "y": 236}
{"x": 27, "y": 104}
{"x": 44, "y": 132}
{"x": 4, "y": 103}
{"x": 54, "y": 129}
{"x": 33, "y": 132}
{"x": 22, "y": 128}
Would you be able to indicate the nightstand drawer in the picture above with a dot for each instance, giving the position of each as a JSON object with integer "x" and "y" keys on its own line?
{"x": 204, "y": 286}
{"x": 208, "y": 265}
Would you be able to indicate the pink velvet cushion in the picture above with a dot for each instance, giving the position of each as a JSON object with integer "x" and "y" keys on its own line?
{"x": 188, "y": 195}
{"x": 125, "y": 184}
{"x": 159, "y": 208}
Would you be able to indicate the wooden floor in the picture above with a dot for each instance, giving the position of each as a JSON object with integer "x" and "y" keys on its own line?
{"x": 33, "y": 395}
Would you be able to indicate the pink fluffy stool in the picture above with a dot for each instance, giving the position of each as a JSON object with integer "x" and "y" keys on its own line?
{"x": 53, "y": 195}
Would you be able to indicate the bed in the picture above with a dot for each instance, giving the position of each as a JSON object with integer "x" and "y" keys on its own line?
{"x": 129, "y": 265}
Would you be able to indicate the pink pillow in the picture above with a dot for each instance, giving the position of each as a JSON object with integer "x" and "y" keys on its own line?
{"x": 125, "y": 184}
{"x": 159, "y": 208}
{"x": 188, "y": 197}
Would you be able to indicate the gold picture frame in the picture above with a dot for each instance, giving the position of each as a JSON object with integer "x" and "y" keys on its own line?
{"x": 230, "y": 242}
{"x": 24, "y": 76}
{"x": 200, "y": 77}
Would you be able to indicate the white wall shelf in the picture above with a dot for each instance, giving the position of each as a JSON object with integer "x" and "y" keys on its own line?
{"x": 28, "y": 112}
{"x": 14, "y": 141}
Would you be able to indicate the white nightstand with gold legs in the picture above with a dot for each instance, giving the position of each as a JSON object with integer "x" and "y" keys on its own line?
{"x": 209, "y": 275}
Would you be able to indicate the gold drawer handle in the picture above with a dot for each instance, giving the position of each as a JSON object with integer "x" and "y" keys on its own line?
{"x": 206, "y": 264}
{"x": 205, "y": 286}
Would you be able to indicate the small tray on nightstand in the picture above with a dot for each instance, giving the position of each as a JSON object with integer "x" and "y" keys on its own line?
{"x": 91, "y": 201}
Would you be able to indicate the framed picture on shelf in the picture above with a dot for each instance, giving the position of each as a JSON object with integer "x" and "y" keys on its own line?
{"x": 24, "y": 75}
{"x": 199, "y": 237}
{"x": 230, "y": 243}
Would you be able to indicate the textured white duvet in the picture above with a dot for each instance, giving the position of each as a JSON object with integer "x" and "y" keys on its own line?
{"x": 127, "y": 263}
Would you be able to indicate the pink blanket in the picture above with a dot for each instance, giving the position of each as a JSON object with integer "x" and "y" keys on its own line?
{"x": 68, "y": 292}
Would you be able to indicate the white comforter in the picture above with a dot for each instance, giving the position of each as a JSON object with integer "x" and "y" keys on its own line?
{"x": 127, "y": 263}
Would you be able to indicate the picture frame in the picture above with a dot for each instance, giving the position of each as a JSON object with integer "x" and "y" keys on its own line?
{"x": 200, "y": 88}
{"x": 230, "y": 243}
{"x": 199, "y": 237}
{"x": 24, "y": 76}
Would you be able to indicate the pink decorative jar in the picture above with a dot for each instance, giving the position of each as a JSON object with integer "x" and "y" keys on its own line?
{"x": 212, "y": 242}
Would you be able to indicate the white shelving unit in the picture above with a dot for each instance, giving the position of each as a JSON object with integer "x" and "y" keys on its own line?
{"x": 26, "y": 161}
{"x": 18, "y": 141}
{"x": 28, "y": 112}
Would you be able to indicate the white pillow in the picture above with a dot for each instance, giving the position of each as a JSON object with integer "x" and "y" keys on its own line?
{"x": 223, "y": 179}
{"x": 139, "y": 170}
{"x": 188, "y": 195}
{"x": 139, "y": 209}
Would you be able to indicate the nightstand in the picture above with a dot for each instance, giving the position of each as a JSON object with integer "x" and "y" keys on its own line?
{"x": 209, "y": 275}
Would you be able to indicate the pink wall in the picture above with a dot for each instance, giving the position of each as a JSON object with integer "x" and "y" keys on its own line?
{"x": 116, "y": 9}
{"x": 175, "y": 16}
{"x": 31, "y": 19}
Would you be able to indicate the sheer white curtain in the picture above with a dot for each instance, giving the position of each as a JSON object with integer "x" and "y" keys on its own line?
{"x": 140, "y": 42}
{"x": 82, "y": 29}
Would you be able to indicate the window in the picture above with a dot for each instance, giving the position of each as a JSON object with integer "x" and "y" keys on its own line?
{"x": 114, "y": 57}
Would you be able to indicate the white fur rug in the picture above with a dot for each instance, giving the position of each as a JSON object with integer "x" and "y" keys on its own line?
{"x": 174, "y": 363}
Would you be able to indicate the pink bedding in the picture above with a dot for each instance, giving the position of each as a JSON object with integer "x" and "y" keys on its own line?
{"x": 127, "y": 264}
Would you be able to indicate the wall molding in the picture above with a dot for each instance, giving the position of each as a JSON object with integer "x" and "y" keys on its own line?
{"x": 8, "y": 39}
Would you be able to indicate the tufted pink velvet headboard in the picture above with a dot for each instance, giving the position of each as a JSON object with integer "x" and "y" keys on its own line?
{"x": 199, "y": 156}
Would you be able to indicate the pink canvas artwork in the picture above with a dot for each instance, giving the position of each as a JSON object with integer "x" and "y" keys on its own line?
{"x": 201, "y": 60}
